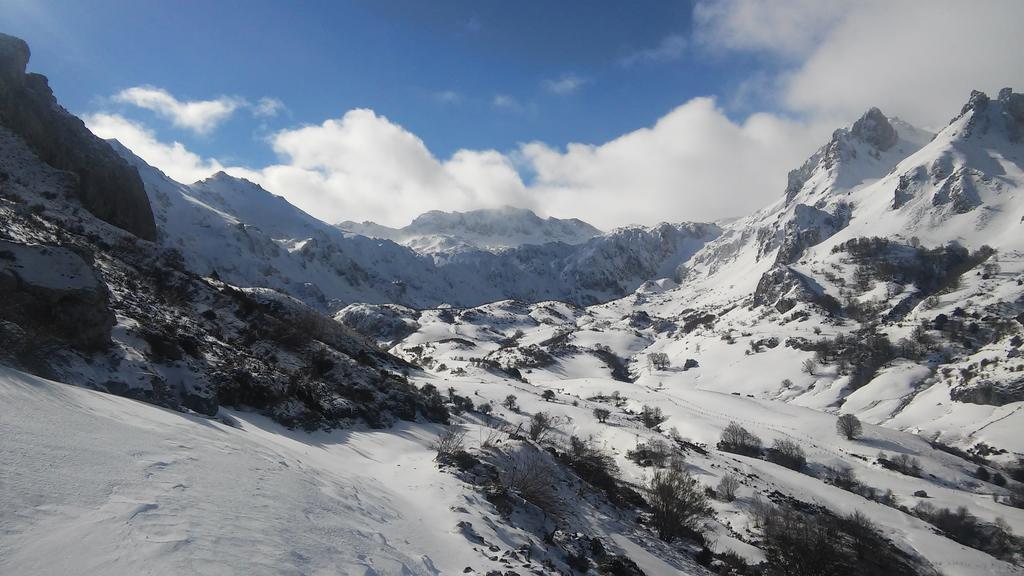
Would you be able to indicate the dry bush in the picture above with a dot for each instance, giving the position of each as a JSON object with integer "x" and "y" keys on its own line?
{"x": 450, "y": 442}
{"x": 542, "y": 426}
{"x": 727, "y": 487}
{"x": 530, "y": 474}
{"x": 678, "y": 503}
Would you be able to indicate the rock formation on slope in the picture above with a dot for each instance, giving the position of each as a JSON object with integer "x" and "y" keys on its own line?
{"x": 107, "y": 186}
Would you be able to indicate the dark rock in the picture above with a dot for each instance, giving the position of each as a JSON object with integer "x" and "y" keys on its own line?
{"x": 107, "y": 186}
{"x": 54, "y": 295}
{"x": 875, "y": 129}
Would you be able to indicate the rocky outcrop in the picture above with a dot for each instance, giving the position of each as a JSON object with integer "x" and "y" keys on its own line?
{"x": 50, "y": 294}
{"x": 875, "y": 129}
{"x": 107, "y": 186}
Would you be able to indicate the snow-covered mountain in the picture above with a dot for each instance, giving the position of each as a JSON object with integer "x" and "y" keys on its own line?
{"x": 892, "y": 263}
{"x": 486, "y": 229}
{"x": 253, "y": 238}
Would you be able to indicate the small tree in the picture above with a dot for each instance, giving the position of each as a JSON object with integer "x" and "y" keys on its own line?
{"x": 849, "y": 426}
{"x": 737, "y": 439}
{"x": 678, "y": 503}
{"x": 541, "y": 426}
{"x": 658, "y": 361}
{"x": 602, "y": 414}
{"x": 651, "y": 416}
{"x": 787, "y": 453}
{"x": 511, "y": 402}
{"x": 810, "y": 366}
{"x": 548, "y": 395}
{"x": 727, "y": 487}
{"x": 983, "y": 474}
{"x": 486, "y": 408}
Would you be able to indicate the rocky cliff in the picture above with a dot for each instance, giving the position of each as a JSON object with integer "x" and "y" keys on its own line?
{"x": 107, "y": 186}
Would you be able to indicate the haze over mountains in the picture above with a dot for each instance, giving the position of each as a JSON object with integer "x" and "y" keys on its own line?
{"x": 311, "y": 373}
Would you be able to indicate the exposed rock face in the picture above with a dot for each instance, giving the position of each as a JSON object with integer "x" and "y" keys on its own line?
{"x": 875, "y": 129}
{"x": 107, "y": 186}
{"x": 51, "y": 293}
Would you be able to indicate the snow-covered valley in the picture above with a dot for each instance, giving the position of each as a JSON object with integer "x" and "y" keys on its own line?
{"x": 220, "y": 383}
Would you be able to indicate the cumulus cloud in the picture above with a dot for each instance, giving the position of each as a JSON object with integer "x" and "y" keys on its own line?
{"x": 199, "y": 116}
{"x": 693, "y": 164}
{"x": 363, "y": 166}
{"x": 916, "y": 60}
{"x": 174, "y": 159}
{"x": 565, "y": 84}
{"x": 670, "y": 48}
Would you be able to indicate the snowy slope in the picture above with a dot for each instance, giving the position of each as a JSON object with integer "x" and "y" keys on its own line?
{"x": 144, "y": 490}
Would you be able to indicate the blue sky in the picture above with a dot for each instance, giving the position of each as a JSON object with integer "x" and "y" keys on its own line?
{"x": 434, "y": 67}
{"x": 616, "y": 112}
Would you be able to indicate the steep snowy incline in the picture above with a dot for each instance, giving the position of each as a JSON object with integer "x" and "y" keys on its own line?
{"x": 816, "y": 204}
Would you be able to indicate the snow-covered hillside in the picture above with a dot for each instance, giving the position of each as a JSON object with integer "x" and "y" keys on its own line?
{"x": 492, "y": 229}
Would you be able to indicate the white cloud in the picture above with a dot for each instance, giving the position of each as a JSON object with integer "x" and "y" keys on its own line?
{"x": 783, "y": 27}
{"x": 505, "y": 102}
{"x": 565, "y": 84}
{"x": 693, "y": 164}
{"x": 200, "y": 116}
{"x": 448, "y": 97}
{"x": 174, "y": 159}
{"x": 267, "y": 107}
{"x": 363, "y": 166}
{"x": 916, "y": 60}
{"x": 670, "y": 48}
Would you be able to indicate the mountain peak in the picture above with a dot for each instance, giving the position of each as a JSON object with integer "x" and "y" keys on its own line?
{"x": 874, "y": 128}
{"x": 1005, "y": 114}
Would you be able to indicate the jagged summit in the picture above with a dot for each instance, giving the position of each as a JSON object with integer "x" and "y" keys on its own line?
{"x": 1005, "y": 114}
{"x": 874, "y": 128}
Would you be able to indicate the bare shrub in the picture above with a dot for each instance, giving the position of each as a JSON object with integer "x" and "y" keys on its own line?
{"x": 809, "y": 366}
{"x": 450, "y": 442}
{"x": 654, "y": 452}
{"x": 541, "y": 426}
{"x": 591, "y": 463}
{"x": 738, "y": 440}
{"x": 727, "y": 487}
{"x": 787, "y": 453}
{"x": 678, "y": 503}
{"x": 530, "y": 474}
